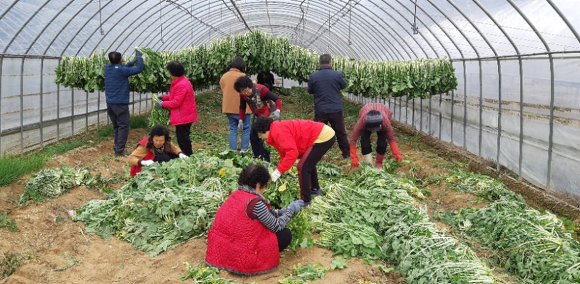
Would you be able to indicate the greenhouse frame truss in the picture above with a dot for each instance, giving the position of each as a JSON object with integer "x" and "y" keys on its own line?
{"x": 517, "y": 103}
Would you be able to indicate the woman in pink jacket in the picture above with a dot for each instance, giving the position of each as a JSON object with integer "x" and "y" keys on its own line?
{"x": 181, "y": 103}
{"x": 297, "y": 139}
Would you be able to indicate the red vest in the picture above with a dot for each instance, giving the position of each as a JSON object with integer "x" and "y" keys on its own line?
{"x": 238, "y": 244}
{"x": 150, "y": 155}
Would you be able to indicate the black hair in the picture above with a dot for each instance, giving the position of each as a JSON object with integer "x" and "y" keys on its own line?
{"x": 158, "y": 130}
{"x": 238, "y": 63}
{"x": 254, "y": 174}
{"x": 115, "y": 57}
{"x": 175, "y": 69}
{"x": 242, "y": 83}
{"x": 325, "y": 59}
{"x": 262, "y": 124}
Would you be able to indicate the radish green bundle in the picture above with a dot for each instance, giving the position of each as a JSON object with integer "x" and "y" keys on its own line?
{"x": 381, "y": 220}
{"x": 531, "y": 244}
{"x": 158, "y": 115}
{"x": 205, "y": 64}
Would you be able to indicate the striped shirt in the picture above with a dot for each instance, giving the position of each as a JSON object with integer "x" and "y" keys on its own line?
{"x": 361, "y": 123}
{"x": 269, "y": 219}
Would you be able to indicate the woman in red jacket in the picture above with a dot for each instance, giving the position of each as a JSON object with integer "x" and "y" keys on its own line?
{"x": 247, "y": 236}
{"x": 181, "y": 103}
{"x": 297, "y": 139}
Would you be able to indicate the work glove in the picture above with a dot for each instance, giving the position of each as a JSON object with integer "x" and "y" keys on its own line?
{"x": 183, "y": 156}
{"x": 395, "y": 151}
{"x": 353, "y": 157}
{"x": 145, "y": 163}
{"x": 159, "y": 104}
{"x": 241, "y": 125}
{"x": 138, "y": 53}
{"x": 276, "y": 115}
{"x": 296, "y": 205}
{"x": 160, "y": 97}
{"x": 275, "y": 175}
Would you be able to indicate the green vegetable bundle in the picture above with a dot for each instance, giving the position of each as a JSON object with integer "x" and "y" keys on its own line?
{"x": 54, "y": 182}
{"x": 373, "y": 216}
{"x": 205, "y": 64}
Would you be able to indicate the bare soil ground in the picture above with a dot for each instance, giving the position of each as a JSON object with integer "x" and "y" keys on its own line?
{"x": 51, "y": 248}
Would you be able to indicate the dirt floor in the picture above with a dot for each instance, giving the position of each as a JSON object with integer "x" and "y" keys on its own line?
{"x": 54, "y": 249}
{"x": 50, "y": 248}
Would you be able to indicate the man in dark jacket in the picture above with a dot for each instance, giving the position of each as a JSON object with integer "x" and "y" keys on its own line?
{"x": 325, "y": 84}
{"x": 117, "y": 93}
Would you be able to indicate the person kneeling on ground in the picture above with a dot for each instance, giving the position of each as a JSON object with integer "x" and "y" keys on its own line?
{"x": 297, "y": 139}
{"x": 155, "y": 148}
{"x": 247, "y": 236}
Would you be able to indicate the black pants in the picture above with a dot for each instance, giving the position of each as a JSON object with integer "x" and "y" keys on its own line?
{"x": 119, "y": 115}
{"x": 336, "y": 121}
{"x": 258, "y": 148}
{"x": 284, "y": 238}
{"x": 307, "y": 174}
{"x": 365, "y": 142}
{"x": 182, "y": 131}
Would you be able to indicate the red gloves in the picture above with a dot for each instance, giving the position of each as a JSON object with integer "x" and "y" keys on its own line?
{"x": 395, "y": 151}
{"x": 353, "y": 157}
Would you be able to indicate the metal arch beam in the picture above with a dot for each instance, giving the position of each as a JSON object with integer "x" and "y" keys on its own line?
{"x": 432, "y": 33}
{"x": 498, "y": 26}
{"x": 23, "y": 26}
{"x": 366, "y": 23}
{"x": 79, "y": 30}
{"x": 402, "y": 27}
{"x": 324, "y": 23}
{"x": 371, "y": 53}
{"x": 46, "y": 27}
{"x": 191, "y": 14}
{"x": 454, "y": 25}
{"x": 223, "y": 22}
{"x": 572, "y": 29}
{"x": 286, "y": 26}
{"x": 63, "y": 28}
{"x": 473, "y": 25}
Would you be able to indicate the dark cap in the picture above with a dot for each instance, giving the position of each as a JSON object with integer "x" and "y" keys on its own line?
{"x": 374, "y": 120}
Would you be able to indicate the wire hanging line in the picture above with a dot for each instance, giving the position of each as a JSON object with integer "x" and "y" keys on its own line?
{"x": 240, "y": 13}
{"x": 315, "y": 36}
{"x": 101, "y": 18}
{"x": 414, "y": 27}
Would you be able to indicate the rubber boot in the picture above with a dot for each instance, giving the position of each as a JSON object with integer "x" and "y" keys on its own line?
{"x": 368, "y": 158}
{"x": 379, "y": 163}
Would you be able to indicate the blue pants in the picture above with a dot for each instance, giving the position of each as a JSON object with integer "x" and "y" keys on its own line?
{"x": 233, "y": 120}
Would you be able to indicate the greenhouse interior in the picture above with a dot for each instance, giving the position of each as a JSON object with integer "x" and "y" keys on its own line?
{"x": 492, "y": 87}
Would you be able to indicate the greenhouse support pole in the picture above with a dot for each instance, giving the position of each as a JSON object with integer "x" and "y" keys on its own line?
{"x": 72, "y": 112}
{"x": 412, "y": 113}
{"x": 551, "y": 135}
{"x": 98, "y": 110}
{"x": 465, "y": 105}
{"x": 1, "y": 67}
{"x": 133, "y": 102}
{"x": 407, "y": 109}
{"x": 480, "y": 107}
{"x": 58, "y": 110}
{"x": 452, "y": 113}
{"x": 499, "y": 115}
{"x": 421, "y": 114}
{"x": 140, "y": 101}
{"x": 41, "y": 103}
{"x": 441, "y": 114}
{"x": 430, "y": 113}
{"x": 86, "y": 111}
{"x": 521, "y": 154}
{"x": 22, "y": 106}
{"x": 400, "y": 107}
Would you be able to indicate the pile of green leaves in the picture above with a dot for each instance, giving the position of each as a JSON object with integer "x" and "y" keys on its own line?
{"x": 204, "y": 275}
{"x": 158, "y": 115}
{"x": 372, "y": 216}
{"x": 54, "y": 182}
{"x": 169, "y": 203}
{"x": 205, "y": 64}
{"x": 302, "y": 273}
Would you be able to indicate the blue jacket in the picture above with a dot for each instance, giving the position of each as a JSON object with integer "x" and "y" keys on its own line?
{"x": 117, "y": 80}
{"x": 326, "y": 84}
